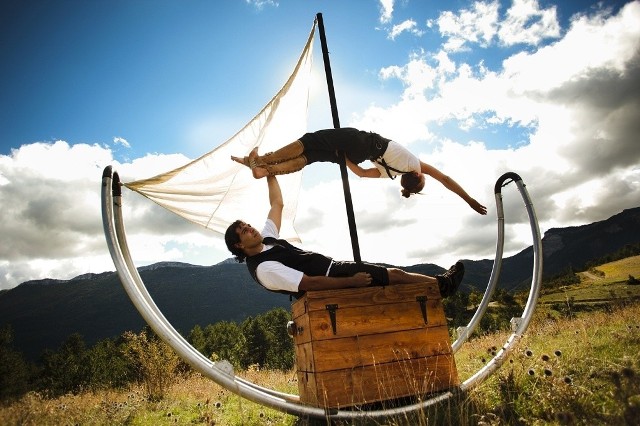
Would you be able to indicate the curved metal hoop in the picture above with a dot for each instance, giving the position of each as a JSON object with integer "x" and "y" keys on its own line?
{"x": 465, "y": 332}
{"x": 222, "y": 372}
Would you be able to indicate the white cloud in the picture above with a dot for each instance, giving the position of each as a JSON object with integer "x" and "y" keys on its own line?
{"x": 52, "y": 224}
{"x": 526, "y": 23}
{"x": 409, "y": 26}
{"x": 260, "y": 4}
{"x": 476, "y": 25}
{"x": 577, "y": 97}
{"x": 121, "y": 141}
{"x": 386, "y": 11}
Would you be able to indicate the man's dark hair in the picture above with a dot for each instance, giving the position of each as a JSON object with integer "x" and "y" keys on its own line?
{"x": 232, "y": 238}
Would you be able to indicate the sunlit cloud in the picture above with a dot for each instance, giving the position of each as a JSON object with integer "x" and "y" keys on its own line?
{"x": 409, "y": 26}
{"x": 261, "y": 4}
{"x": 386, "y": 11}
{"x": 121, "y": 141}
{"x": 477, "y": 25}
{"x": 526, "y": 23}
{"x": 570, "y": 92}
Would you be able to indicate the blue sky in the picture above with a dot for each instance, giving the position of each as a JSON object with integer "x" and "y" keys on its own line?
{"x": 149, "y": 71}
{"x": 476, "y": 88}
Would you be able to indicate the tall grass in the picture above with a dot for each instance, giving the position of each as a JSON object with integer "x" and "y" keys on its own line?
{"x": 579, "y": 370}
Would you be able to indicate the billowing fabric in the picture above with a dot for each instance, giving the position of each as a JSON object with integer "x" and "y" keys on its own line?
{"x": 213, "y": 190}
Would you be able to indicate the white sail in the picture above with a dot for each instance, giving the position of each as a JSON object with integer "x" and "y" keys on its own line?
{"x": 213, "y": 190}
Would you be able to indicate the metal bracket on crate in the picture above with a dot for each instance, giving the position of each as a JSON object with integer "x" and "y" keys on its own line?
{"x": 462, "y": 332}
{"x": 332, "y": 315}
{"x": 515, "y": 323}
{"x": 423, "y": 307}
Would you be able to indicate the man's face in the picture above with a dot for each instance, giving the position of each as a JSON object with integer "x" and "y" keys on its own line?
{"x": 249, "y": 236}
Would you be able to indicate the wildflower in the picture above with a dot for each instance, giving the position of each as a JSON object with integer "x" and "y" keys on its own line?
{"x": 565, "y": 418}
{"x": 615, "y": 378}
{"x": 627, "y": 372}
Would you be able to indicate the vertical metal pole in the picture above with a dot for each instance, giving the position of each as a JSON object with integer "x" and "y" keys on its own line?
{"x": 336, "y": 124}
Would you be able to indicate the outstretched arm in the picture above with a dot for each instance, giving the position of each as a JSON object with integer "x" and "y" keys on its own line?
{"x": 359, "y": 171}
{"x": 452, "y": 186}
{"x": 276, "y": 201}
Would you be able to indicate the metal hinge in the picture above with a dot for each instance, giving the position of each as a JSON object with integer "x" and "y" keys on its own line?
{"x": 423, "y": 307}
{"x": 332, "y": 315}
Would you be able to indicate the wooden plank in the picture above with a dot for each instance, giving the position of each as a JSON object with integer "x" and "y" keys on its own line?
{"x": 358, "y": 351}
{"x": 372, "y": 319}
{"x": 304, "y": 357}
{"x": 307, "y": 388}
{"x": 353, "y": 297}
{"x": 299, "y": 307}
{"x": 302, "y": 329}
{"x": 381, "y": 382}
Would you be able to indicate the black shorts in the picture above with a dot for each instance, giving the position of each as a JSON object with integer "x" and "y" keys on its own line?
{"x": 358, "y": 145}
{"x": 379, "y": 274}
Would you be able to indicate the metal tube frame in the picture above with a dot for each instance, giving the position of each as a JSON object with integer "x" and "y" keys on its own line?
{"x": 222, "y": 372}
{"x": 465, "y": 332}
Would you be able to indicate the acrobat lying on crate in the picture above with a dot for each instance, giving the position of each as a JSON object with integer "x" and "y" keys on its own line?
{"x": 359, "y": 336}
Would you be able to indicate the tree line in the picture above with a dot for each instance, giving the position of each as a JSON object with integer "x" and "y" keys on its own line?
{"x": 142, "y": 357}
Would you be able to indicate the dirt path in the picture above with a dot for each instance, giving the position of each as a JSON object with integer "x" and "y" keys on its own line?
{"x": 591, "y": 276}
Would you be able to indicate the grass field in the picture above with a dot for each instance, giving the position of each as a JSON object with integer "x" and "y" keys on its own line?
{"x": 606, "y": 283}
{"x": 620, "y": 270}
{"x": 576, "y": 368}
{"x": 583, "y": 370}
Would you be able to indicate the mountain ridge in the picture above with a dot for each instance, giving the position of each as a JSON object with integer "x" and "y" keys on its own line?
{"x": 43, "y": 313}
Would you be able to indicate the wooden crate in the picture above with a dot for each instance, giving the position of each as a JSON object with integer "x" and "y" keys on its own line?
{"x": 358, "y": 346}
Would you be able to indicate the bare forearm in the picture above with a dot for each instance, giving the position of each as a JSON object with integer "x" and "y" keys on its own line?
{"x": 453, "y": 186}
{"x": 360, "y": 172}
{"x": 275, "y": 200}
{"x": 275, "y": 194}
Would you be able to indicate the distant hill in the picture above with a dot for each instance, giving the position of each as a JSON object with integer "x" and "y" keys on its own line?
{"x": 574, "y": 247}
{"x": 43, "y": 313}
